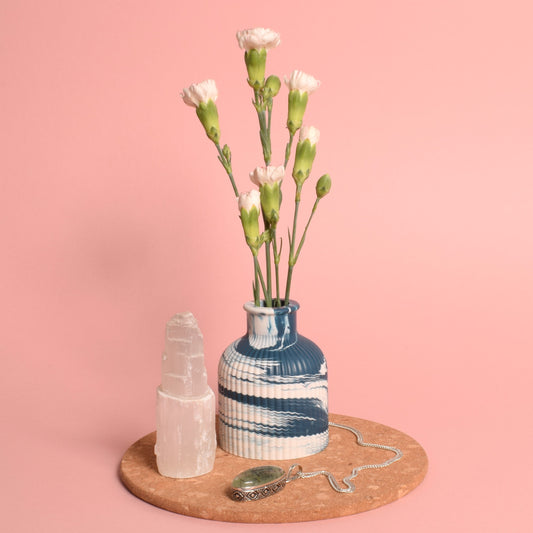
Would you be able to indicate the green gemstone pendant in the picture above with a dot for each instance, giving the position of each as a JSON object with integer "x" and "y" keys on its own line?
{"x": 257, "y": 483}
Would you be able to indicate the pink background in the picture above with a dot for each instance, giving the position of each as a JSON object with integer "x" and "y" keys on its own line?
{"x": 416, "y": 278}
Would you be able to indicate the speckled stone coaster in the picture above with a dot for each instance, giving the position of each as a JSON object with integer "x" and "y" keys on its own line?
{"x": 302, "y": 500}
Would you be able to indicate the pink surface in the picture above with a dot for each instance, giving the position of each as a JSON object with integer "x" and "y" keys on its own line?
{"x": 416, "y": 278}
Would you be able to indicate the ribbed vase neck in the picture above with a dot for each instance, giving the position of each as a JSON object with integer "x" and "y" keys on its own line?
{"x": 271, "y": 326}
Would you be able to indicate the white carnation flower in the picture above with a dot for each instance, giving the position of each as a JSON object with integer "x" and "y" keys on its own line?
{"x": 309, "y": 133}
{"x": 258, "y": 38}
{"x": 200, "y": 92}
{"x": 302, "y": 82}
{"x": 247, "y": 200}
{"x": 270, "y": 175}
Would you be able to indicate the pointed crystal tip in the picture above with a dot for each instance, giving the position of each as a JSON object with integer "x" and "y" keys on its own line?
{"x": 183, "y": 319}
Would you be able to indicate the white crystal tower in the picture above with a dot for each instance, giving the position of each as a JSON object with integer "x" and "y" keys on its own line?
{"x": 186, "y": 438}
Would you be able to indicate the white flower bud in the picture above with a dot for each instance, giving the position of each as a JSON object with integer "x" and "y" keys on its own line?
{"x": 258, "y": 39}
{"x": 247, "y": 200}
{"x": 302, "y": 82}
{"x": 309, "y": 133}
{"x": 200, "y": 93}
{"x": 269, "y": 175}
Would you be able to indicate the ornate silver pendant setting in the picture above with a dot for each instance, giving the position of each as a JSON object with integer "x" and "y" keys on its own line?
{"x": 257, "y": 483}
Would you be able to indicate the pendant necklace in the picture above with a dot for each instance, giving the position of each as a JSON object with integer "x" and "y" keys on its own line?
{"x": 263, "y": 481}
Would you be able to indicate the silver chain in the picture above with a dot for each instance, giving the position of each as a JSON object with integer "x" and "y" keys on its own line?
{"x": 296, "y": 470}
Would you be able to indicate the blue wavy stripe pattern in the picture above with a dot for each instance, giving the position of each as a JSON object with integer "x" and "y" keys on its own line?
{"x": 294, "y": 417}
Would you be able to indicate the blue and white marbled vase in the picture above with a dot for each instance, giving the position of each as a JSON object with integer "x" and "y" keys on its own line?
{"x": 272, "y": 389}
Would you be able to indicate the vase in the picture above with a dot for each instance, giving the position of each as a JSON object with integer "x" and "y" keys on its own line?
{"x": 272, "y": 389}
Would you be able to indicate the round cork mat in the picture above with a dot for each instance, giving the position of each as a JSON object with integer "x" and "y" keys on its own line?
{"x": 207, "y": 496}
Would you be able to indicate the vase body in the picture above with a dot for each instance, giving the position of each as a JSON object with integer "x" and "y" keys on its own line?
{"x": 272, "y": 389}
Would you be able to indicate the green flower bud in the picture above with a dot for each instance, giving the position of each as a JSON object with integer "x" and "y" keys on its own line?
{"x": 270, "y": 202}
{"x": 323, "y": 186}
{"x": 297, "y": 105}
{"x": 250, "y": 224}
{"x": 249, "y": 207}
{"x": 227, "y": 153}
{"x": 303, "y": 161}
{"x": 272, "y": 86}
{"x": 208, "y": 114}
{"x": 255, "y": 65}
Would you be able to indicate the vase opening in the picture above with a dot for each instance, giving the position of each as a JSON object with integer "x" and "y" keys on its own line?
{"x": 262, "y": 305}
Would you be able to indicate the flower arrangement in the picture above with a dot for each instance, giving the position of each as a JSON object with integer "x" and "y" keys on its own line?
{"x": 266, "y": 199}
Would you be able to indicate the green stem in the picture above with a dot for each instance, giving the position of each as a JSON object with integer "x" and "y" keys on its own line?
{"x": 288, "y": 287}
{"x": 257, "y": 301}
{"x": 276, "y": 265}
{"x": 268, "y": 295}
{"x": 227, "y": 166}
{"x": 292, "y": 260}
{"x": 288, "y": 150}
{"x": 305, "y": 230}
{"x": 257, "y": 268}
{"x": 262, "y": 121}
{"x": 264, "y": 127}
{"x": 268, "y": 137}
